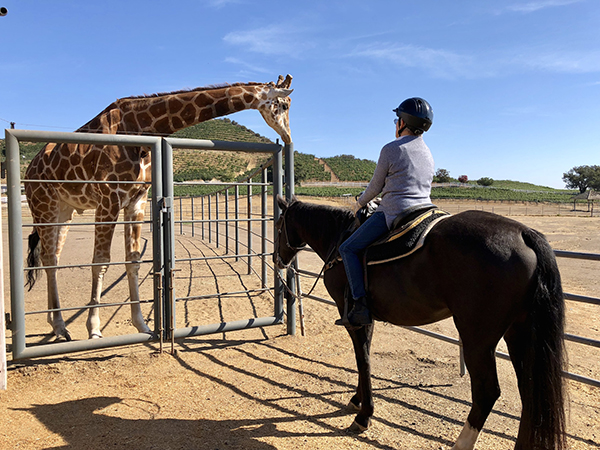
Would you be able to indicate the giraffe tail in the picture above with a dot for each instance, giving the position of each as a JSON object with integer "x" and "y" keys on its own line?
{"x": 33, "y": 259}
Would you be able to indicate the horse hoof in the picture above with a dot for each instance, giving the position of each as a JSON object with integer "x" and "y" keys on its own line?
{"x": 353, "y": 406}
{"x": 96, "y": 335}
{"x": 356, "y": 428}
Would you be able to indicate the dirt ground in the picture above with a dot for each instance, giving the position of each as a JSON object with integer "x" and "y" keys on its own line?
{"x": 259, "y": 388}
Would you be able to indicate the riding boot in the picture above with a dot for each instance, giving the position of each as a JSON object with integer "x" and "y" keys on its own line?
{"x": 360, "y": 315}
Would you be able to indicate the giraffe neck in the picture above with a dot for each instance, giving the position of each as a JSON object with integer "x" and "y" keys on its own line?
{"x": 163, "y": 114}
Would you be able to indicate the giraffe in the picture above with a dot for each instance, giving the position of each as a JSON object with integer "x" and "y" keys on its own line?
{"x": 161, "y": 114}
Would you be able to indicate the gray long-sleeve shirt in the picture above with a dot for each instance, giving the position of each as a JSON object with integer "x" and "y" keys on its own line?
{"x": 403, "y": 176}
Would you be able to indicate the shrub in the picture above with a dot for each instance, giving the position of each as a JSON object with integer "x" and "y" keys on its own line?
{"x": 485, "y": 181}
{"x": 463, "y": 179}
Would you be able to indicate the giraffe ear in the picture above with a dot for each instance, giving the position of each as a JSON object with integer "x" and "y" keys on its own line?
{"x": 276, "y": 92}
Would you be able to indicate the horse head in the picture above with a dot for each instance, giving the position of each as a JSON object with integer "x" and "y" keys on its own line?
{"x": 287, "y": 241}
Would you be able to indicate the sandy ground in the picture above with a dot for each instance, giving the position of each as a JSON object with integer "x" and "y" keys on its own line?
{"x": 262, "y": 389}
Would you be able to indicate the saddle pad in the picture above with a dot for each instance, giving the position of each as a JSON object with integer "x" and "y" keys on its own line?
{"x": 404, "y": 240}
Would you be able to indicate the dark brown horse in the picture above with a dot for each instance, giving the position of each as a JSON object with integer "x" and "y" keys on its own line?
{"x": 494, "y": 276}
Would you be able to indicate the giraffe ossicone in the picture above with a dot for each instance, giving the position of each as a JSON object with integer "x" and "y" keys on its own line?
{"x": 157, "y": 114}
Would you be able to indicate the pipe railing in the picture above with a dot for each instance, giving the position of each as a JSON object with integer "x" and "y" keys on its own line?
{"x": 569, "y": 337}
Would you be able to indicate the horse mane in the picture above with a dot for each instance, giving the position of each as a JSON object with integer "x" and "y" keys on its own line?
{"x": 320, "y": 214}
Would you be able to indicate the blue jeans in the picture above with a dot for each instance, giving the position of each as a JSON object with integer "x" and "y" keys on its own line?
{"x": 374, "y": 228}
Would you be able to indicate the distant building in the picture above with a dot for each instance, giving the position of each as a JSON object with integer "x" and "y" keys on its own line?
{"x": 590, "y": 196}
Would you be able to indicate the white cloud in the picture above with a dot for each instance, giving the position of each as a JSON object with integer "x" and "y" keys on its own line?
{"x": 271, "y": 40}
{"x": 252, "y": 68}
{"x": 222, "y": 3}
{"x": 530, "y": 7}
{"x": 560, "y": 61}
{"x": 441, "y": 63}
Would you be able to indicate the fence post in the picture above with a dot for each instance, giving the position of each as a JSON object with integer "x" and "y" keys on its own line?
{"x": 237, "y": 224}
{"x": 193, "y": 224}
{"x": 217, "y": 217}
{"x": 158, "y": 241}
{"x": 209, "y": 219}
{"x": 227, "y": 221}
{"x": 263, "y": 228}
{"x": 249, "y": 214}
{"x": 291, "y": 279}
{"x": 202, "y": 209}
{"x": 3, "y": 365}
{"x": 277, "y": 191}
{"x": 180, "y": 215}
{"x": 15, "y": 244}
{"x": 169, "y": 241}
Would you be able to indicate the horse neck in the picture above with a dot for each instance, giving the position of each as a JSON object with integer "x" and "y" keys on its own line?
{"x": 321, "y": 227}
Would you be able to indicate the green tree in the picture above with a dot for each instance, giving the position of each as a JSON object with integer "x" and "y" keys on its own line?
{"x": 485, "y": 181}
{"x": 442, "y": 176}
{"x": 583, "y": 178}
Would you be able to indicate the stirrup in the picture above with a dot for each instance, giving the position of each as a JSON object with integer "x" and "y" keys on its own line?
{"x": 343, "y": 321}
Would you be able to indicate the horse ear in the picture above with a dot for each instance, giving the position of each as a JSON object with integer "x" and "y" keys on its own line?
{"x": 283, "y": 204}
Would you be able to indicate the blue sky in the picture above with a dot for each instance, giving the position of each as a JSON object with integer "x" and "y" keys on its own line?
{"x": 514, "y": 85}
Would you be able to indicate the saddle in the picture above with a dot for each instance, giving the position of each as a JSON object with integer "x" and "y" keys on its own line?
{"x": 407, "y": 235}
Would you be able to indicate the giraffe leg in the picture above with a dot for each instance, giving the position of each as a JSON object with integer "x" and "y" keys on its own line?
{"x": 102, "y": 242}
{"x": 52, "y": 240}
{"x": 135, "y": 212}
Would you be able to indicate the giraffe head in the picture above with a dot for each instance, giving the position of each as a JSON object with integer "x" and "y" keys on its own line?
{"x": 274, "y": 106}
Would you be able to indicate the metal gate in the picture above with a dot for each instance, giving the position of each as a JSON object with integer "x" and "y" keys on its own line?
{"x": 162, "y": 225}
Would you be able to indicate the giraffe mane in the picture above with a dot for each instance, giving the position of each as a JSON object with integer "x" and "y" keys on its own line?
{"x": 198, "y": 89}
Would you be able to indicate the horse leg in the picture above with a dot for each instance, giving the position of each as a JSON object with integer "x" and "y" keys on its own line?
{"x": 102, "y": 242}
{"x": 519, "y": 347}
{"x": 355, "y": 401}
{"x": 134, "y": 212}
{"x": 485, "y": 390}
{"x": 363, "y": 399}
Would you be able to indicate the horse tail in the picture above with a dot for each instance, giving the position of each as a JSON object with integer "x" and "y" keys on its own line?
{"x": 33, "y": 259}
{"x": 544, "y": 396}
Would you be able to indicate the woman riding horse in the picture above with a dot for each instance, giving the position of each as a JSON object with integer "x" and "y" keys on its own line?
{"x": 403, "y": 176}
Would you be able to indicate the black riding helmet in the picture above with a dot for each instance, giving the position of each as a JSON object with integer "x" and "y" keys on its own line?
{"x": 416, "y": 113}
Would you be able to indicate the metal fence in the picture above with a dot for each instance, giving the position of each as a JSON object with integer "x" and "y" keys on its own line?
{"x": 162, "y": 225}
{"x": 569, "y": 337}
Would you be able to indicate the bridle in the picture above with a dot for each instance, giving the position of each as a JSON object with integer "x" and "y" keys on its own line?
{"x": 283, "y": 229}
{"x": 279, "y": 262}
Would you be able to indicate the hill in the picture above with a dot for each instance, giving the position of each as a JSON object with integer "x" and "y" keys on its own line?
{"x": 191, "y": 165}
{"x": 229, "y": 166}
{"x": 221, "y": 130}
{"x": 349, "y": 168}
